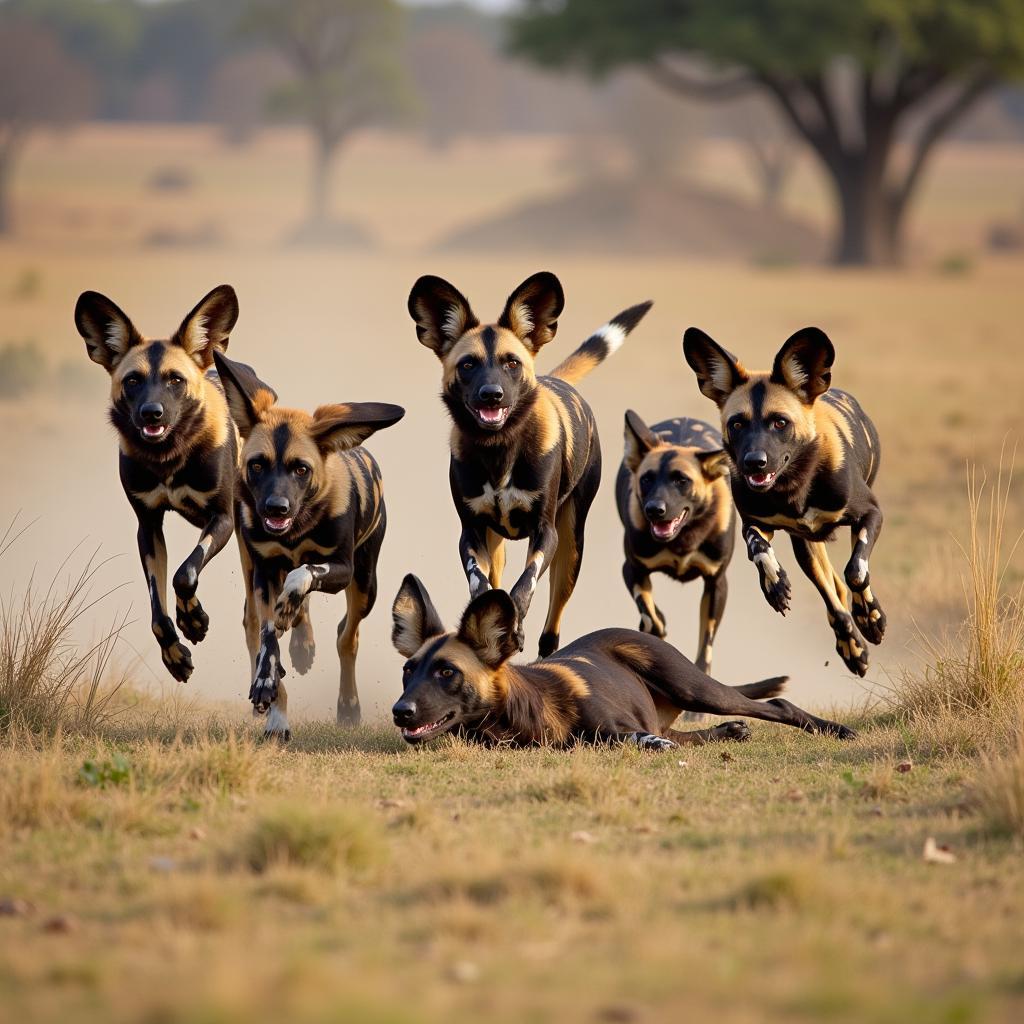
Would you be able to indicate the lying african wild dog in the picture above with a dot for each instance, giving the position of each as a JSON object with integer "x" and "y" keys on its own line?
{"x": 178, "y": 447}
{"x": 805, "y": 458}
{"x": 673, "y": 497}
{"x": 525, "y": 455}
{"x": 608, "y": 686}
{"x": 311, "y": 516}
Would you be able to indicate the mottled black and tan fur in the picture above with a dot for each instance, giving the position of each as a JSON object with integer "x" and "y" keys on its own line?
{"x": 311, "y": 517}
{"x": 615, "y": 685}
{"x": 525, "y": 455}
{"x": 672, "y": 493}
{"x": 178, "y": 446}
{"x": 805, "y": 456}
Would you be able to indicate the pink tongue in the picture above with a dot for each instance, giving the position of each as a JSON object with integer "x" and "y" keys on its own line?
{"x": 491, "y": 415}
{"x": 277, "y": 523}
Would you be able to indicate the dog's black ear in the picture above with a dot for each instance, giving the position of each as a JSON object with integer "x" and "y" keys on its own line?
{"x": 489, "y": 627}
{"x": 714, "y": 464}
{"x": 531, "y": 312}
{"x": 639, "y": 440}
{"x": 107, "y": 331}
{"x": 207, "y": 328}
{"x": 248, "y": 397}
{"x": 441, "y": 312}
{"x": 804, "y": 364}
{"x": 719, "y": 372}
{"x": 415, "y": 617}
{"x": 340, "y": 427}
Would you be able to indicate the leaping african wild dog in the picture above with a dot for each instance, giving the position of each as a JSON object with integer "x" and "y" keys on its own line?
{"x": 615, "y": 685}
{"x": 805, "y": 456}
{"x": 311, "y": 516}
{"x": 525, "y": 455}
{"x": 178, "y": 447}
{"x": 672, "y": 494}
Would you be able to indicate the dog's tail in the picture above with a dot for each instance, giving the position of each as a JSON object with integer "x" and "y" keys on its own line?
{"x": 600, "y": 345}
{"x": 763, "y": 689}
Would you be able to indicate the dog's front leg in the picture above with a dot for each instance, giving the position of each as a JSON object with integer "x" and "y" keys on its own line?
{"x": 543, "y": 544}
{"x": 867, "y": 612}
{"x": 328, "y": 577}
{"x": 476, "y": 559}
{"x": 192, "y": 620}
{"x": 153, "y": 552}
{"x": 774, "y": 581}
{"x": 269, "y": 671}
{"x": 638, "y": 583}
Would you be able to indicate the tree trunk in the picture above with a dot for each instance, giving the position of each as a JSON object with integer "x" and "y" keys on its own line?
{"x": 320, "y": 194}
{"x": 870, "y": 227}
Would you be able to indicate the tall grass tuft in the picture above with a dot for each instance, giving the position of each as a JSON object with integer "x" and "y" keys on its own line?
{"x": 976, "y": 670}
{"x": 47, "y": 682}
{"x": 999, "y": 789}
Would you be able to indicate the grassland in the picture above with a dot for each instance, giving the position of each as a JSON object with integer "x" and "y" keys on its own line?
{"x": 162, "y": 866}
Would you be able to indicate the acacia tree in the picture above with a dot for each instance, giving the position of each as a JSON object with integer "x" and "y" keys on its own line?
{"x": 40, "y": 87}
{"x": 854, "y": 78}
{"x": 345, "y": 58}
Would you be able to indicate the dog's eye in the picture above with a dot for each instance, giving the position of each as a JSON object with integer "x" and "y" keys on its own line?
{"x": 301, "y": 470}
{"x": 512, "y": 364}
{"x": 682, "y": 482}
{"x": 132, "y": 382}
{"x": 736, "y": 426}
{"x": 647, "y": 479}
{"x": 467, "y": 364}
{"x": 780, "y": 423}
{"x": 175, "y": 379}
{"x": 445, "y": 673}
{"x": 255, "y": 468}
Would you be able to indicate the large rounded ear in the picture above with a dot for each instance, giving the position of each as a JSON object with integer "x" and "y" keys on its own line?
{"x": 441, "y": 312}
{"x": 340, "y": 427}
{"x": 639, "y": 440}
{"x": 804, "y": 364}
{"x": 247, "y": 396}
{"x": 532, "y": 310}
{"x": 207, "y": 327}
{"x": 415, "y": 617}
{"x": 489, "y": 627}
{"x": 107, "y": 331}
{"x": 714, "y": 464}
{"x": 719, "y": 372}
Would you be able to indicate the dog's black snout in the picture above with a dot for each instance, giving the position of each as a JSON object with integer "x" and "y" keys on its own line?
{"x": 151, "y": 412}
{"x": 404, "y": 712}
{"x": 655, "y": 510}
{"x": 491, "y": 394}
{"x": 755, "y": 460}
{"x": 276, "y": 505}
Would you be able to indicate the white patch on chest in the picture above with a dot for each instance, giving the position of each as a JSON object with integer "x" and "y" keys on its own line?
{"x": 180, "y": 499}
{"x": 812, "y": 520}
{"x": 679, "y": 564}
{"x": 499, "y": 502}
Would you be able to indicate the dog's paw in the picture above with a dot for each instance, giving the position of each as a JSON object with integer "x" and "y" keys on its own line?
{"x": 178, "y": 660}
{"x": 776, "y": 589}
{"x": 853, "y": 653}
{"x": 868, "y": 615}
{"x": 191, "y": 618}
{"x": 302, "y": 647}
{"x": 349, "y": 715}
{"x": 737, "y": 732}
{"x": 648, "y": 741}
{"x": 519, "y": 635}
{"x": 841, "y": 732}
{"x": 548, "y": 644}
{"x": 287, "y": 610}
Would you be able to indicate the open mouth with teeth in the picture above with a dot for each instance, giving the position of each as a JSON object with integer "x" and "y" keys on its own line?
{"x": 424, "y": 732}
{"x": 154, "y": 431}
{"x": 492, "y": 416}
{"x": 668, "y": 528}
{"x": 761, "y": 481}
{"x": 278, "y": 524}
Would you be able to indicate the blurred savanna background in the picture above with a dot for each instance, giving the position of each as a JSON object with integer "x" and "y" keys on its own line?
{"x": 752, "y": 166}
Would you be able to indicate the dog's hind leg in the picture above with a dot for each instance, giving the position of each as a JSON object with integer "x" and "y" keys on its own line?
{"x": 250, "y": 618}
{"x": 712, "y": 608}
{"x": 496, "y": 553}
{"x": 813, "y": 559}
{"x": 192, "y": 620}
{"x": 301, "y": 643}
{"x": 360, "y": 597}
{"x": 153, "y": 551}
{"x": 736, "y": 732}
{"x": 867, "y": 612}
{"x": 638, "y": 583}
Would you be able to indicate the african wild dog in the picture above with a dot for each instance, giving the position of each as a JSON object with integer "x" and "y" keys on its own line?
{"x": 178, "y": 447}
{"x": 804, "y": 459}
{"x": 311, "y": 516}
{"x": 612, "y": 685}
{"x": 673, "y": 497}
{"x": 525, "y": 455}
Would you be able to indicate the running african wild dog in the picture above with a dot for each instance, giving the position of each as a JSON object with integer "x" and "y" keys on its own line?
{"x": 525, "y": 455}
{"x": 178, "y": 447}
{"x": 311, "y": 516}
{"x": 615, "y": 685}
{"x": 672, "y": 494}
{"x": 805, "y": 456}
